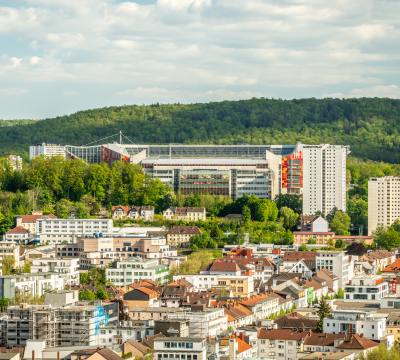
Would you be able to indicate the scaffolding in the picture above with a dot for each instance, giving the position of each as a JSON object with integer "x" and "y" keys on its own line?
{"x": 198, "y": 325}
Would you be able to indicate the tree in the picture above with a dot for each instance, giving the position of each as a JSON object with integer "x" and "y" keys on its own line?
{"x": 340, "y": 294}
{"x": 222, "y": 292}
{"x": 387, "y": 238}
{"x": 246, "y": 214}
{"x": 311, "y": 240}
{"x": 331, "y": 242}
{"x": 84, "y": 279}
{"x": 396, "y": 225}
{"x": 357, "y": 249}
{"x": 340, "y": 223}
{"x": 194, "y": 248}
{"x": 81, "y": 211}
{"x": 7, "y": 264}
{"x": 290, "y": 201}
{"x": 324, "y": 310}
{"x": 101, "y": 294}
{"x": 340, "y": 244}
{"x": 303, "y": 247}
{"x": 288, "y": 217}
{"x": 4, "y": 302}
{"x": 87, "y": 295}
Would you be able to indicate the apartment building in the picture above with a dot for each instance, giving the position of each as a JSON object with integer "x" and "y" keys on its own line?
{"x": 46, "y": 150}
{"x": 185, "y": 213}
{"x": 18, "y": 235}
{"x": 321, "y": 238}
{"x": 314, "y": 224}
{"x": 70, "y": 325}
{"x": 68, "y": 230}
{"x": 29, "y": 221}
{"x": 119, "y": 333}
{"x": 30, "y": 283}
{"x": 180, "y": 348}
{"x": 261, "y": 305}
{"x": 356, "y": 322}
{"x": 366, "y": 287}
{"x": 203, "y": 321}
{"x": 8, "y": 249}
{"x": 67, "y": 268}
{"x": 179, "y": 236}
{"x": 337, "y": 262}
{"x": 383, "y": 201}
{"x": 241, "y": 286}
{"x": 98, "y": 251}
{"x": 324, "y": 178}
{"x": 131, "y": 270}
{"x": 133, "y": 212}
{"x": 15, "y": 161}
{"x": 281, "y": 344}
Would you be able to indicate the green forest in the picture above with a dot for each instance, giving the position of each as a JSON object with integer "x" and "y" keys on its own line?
{"x": 371, "y": 126}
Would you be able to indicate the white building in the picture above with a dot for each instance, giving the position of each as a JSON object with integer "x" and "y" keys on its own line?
{"x": 299, "y": 267}
{"x": 67, "y": 268}
{"x": 46, "y": 149}
{"x": 366, "y": 287}
{"x": 324, "y": 178}
{"x": 203, "y": 322}
{"x": 356, "y": 322}
{"x": 199, "y": 281}
{"x": 133, "y": 269}
{"x": 337, "y": 262}
{"x": 60, "y": 230}
{"x": 109, "y": 335}
{"x": 31, "y": 283}
{"x": 18, "y": 235}
{"x": 15, "y": 161}
{"x": 383, "y": 201}
{"x": 190, "y": 348}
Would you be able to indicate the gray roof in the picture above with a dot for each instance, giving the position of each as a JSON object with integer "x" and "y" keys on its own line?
{"x": 179, "y": 339}
{"x": 8, "y": 355}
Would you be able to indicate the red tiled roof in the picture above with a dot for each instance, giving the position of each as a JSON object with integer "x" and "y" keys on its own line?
{"x": 190, "y": 230}
{"x": 33, "y": 218}
{"x": 323, "y": 339}
{"x": 18, "y": 230}
{"x": 357, "y": 342}
{"x": 299, "y": 255}
{"x": 251, "y": 261}
{"x": 312, "y": 233}
{"x": 147, "y": 291}
{"x": 393, "y": 267}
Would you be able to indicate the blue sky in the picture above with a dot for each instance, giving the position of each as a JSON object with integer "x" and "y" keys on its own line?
{"x": 61, "y": 56}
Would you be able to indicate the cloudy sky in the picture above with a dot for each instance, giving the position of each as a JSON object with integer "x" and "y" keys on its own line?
{"x": 60, "y": 56}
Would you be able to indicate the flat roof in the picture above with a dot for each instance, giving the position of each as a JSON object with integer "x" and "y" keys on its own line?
{"x": 206, "y": 161}
{"x": 179, "y": 339}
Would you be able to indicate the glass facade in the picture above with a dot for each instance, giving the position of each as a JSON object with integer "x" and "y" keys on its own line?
{"x": 205, "y": 181}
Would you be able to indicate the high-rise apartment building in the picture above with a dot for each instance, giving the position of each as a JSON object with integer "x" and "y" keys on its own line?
{"x": 324, "y": 178}
{"x": 15, "y": 161}
{"x": 383, "y": 201}
{"x": 46, "y": 149}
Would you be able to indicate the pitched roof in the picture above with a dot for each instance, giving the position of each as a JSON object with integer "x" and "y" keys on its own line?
{"x": 221, "y": 266}
{"x": 251, "y": 261}
{"x": 283, "y": 334}
{"x": 242, "y": 346}
{"x": 295, "y": 320}
{"x": 33, "y": 218}
{"x": 323, "y": 339}
{"x": 357, "y": 342}
{"x": 18, "y": 230}
{"x": 137, "y": 345}
{"x": 147, "y": 291}
{"x": 149, "y": 341}
{"x": 234, "y": 216}
{"x": 299, "y": 255}
{"x": 107, "y": 354}
{"x": 283, "y": 276}
{"x": 189, "y": 230}
{"x": 394, "y": 318}
{"x": 393, "y": 267}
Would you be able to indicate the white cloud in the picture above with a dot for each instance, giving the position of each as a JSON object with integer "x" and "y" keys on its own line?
{"x": 382, "y": 91}
{"x": 13, "y": 91}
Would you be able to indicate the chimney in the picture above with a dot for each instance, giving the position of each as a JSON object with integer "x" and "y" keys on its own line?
{"x": 33, "y": 354}
{"x": 119, "y": 341}
{"x": 241, "y": 336}
{"x": 58, "y": 355}
{"x": 326, "y": 335}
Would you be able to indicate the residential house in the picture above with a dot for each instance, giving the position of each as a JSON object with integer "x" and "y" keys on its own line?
{"x": 323, "y": 341}
{"x": 237, "y": 347}
{"x": 379, "y": 258}
{"x": 172, "y": 328}
{"x": 319, "y": 288}
{"x": 321, "y": 238}
{"x": 142, "y": 297}
{"x": 179, "y": 236}
{"x": 295, "y": 320}
{"x": 115, "y": 334}
{"x": 291, "y": 258}
{"x": 149, "y": 340}
{"x": 185, "y": 348}
{"x": 67, "y": 268}
{"x": 295, "y": 290}
{"x": 148, "y": 313}
{"x": 18, "y": 235}
{"x": 104, "y": 354}
{"x": 281, "y": 344}
{"x": 281, "y": 278}
{"x": 366, "y": 287}
{"x": 261, "y": 305}
{"x": 393, "y": 325}
{"x": 357, "y": 344}
{"x": 331, "y": 279}
{"x": 392, "y": 269}
{"x": 300, "y": 267}
{"x": 241, "y": 286}
{"x": 259, "y": 286}
{"x": 133, "y": 212}
{"x": 349, "y": 239}
{"x": 238, "y": 315}
{"x": 135, "y": 348}
{"x": 328, "y": 356}
{"x": 8, "y": 249}
{"x": 174, "y": 293}
{"x": 338, "y": 262}
{"x": 313, "y": 223}
{"x": 185, "y": 213}
{"x": 34, "y": 252}
{"x": 29, "y": 221}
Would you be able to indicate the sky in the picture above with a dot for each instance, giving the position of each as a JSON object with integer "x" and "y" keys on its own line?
{"x": 61, "y": 56}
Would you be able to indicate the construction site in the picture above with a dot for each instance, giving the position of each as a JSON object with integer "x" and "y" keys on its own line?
{"x": 71, "y": 325}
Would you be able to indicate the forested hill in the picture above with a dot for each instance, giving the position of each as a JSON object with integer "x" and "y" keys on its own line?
{"x": 371, "y": 126}
{"x": 5, "y": 123}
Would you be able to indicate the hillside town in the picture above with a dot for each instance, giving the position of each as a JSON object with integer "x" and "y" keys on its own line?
{"x": 101, "y": 279}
